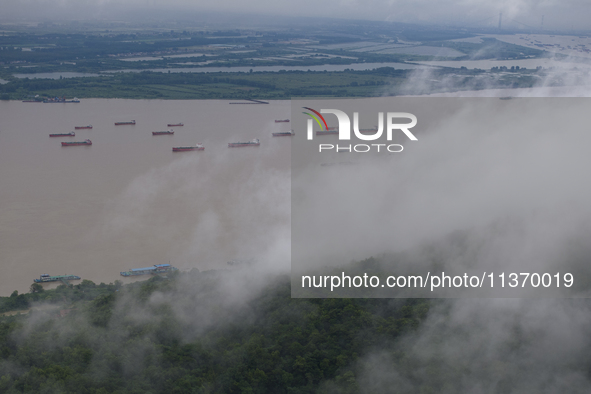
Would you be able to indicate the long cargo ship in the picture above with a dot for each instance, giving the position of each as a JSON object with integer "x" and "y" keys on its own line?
{"x": 156, "y": 269}
{"x": 77, "y": 143}
{"x": 167, "y": 132}
{"x": 48, "y": 278}
{"x": 282, "y": 121}
{"x": 70, "y": 134}
{"x": 83, "y": 127}
{"x": 254, "y": 142}
{"x": 283, "y": 134}
{"x": 188, "y": 148}
{"x": 125, "y": 123}
{"x": 175, "y": 125}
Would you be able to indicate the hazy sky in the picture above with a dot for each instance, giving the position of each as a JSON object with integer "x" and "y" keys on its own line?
{"x": 564, "y": 14}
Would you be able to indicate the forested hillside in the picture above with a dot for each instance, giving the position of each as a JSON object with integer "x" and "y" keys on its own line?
{"x": 186, "y": 334}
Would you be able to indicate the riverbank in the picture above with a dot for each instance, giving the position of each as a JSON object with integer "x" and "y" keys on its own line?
{"x": 266, "y": 85}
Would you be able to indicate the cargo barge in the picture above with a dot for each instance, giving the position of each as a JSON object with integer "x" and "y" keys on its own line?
{"x": 77, "y": 143}
{"x": 282, "y": 121}
{"x": 132, "y": 122}
{"x": 254, "y": 142}
{"x": 83, "y": 127}
{"x": 48, "y": 278}
{"x": 188, "y": 148}
{"x": 283, "y": 134}
{"x": 167, "y": 132}
{"x": 70, "y": 134}
{"x": 175, "y": 125}
{"x": 154, "y": 270}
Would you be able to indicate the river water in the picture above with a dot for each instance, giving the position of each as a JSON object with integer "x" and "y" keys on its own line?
{"x": 128, "y": 201}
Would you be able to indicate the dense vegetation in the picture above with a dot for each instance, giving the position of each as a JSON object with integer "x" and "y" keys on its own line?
{"x": 179, "y": 336}
{"x": 263, "y": 85}
{"x": 86, "y": 290}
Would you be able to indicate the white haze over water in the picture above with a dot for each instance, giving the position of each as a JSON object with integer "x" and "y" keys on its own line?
{"x": 493, "y": 345}
{"x": 228, "y": 210}
{"x": 508, "y": 174}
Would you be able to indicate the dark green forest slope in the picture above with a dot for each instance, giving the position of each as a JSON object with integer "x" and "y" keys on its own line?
{"x": 186, "y": 334}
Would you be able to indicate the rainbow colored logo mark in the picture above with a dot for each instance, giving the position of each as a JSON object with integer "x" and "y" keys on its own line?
{"x": 316, "y": 118}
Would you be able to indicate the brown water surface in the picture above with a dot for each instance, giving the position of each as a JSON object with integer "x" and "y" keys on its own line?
{"x": 128, "y": 201}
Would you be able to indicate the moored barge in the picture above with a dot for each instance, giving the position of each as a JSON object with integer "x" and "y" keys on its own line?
{"x": 77, "y": 143}
{"x": 254, "y": 142}
{"x": 166, "y": 132}
{"x": 283, "y": 134}
{"x": 188, "y": 148}
{"x": 155, "y": 269}
{"x": 49, "y": 278}
{"x": 70, "y": 134}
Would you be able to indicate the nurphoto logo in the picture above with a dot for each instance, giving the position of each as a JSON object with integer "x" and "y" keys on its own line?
{"x": 344, "y": 130}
